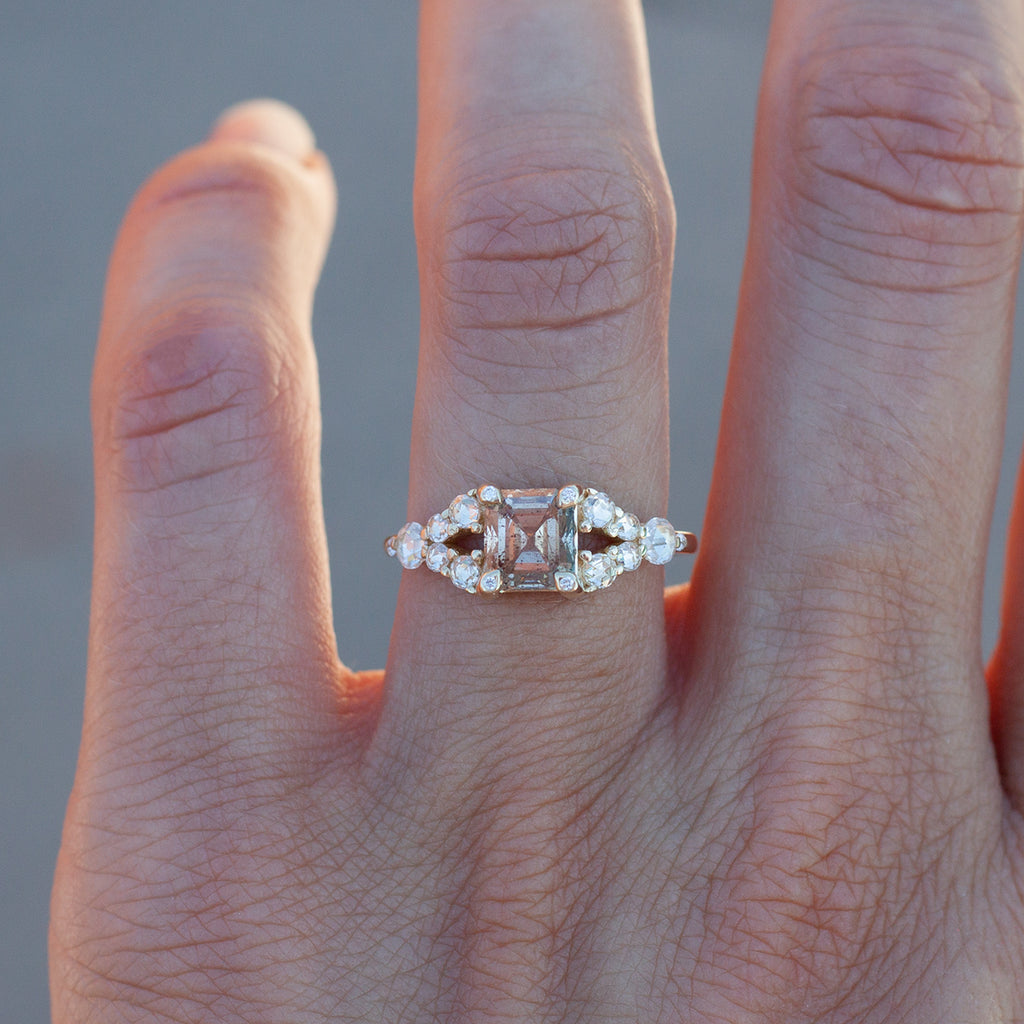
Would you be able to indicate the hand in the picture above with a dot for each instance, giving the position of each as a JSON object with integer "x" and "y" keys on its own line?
{"x": 772, "y": 796}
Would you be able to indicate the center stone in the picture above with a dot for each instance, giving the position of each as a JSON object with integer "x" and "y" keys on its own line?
{"x": 529, "y": 538}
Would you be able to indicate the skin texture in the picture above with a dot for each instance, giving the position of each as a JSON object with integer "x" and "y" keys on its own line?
{"x": 786, "y": 793}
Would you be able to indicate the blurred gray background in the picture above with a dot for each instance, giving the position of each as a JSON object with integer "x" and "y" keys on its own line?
{"x": 95, "y": 96}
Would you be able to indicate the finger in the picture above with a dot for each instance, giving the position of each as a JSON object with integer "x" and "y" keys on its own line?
{"x": 545, "y": 229}
{"x": 861, "y": 441}
{"x": 1006, "y": 670}
{"x": 211, "y": 629}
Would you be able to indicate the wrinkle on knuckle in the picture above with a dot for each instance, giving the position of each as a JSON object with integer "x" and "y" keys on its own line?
{"x": 858, "y": 631}
{"x": 227, "y": 172}
{"x": 546, "y": 247}
{"x": 909, "y": 157}
{"x": 805, "y": 907}
{"x": 168, "y": 910}
{"x": 562, "y": 405}
{"x": 200, "y": 400}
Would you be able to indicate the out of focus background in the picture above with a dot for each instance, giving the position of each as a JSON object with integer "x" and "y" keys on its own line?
{"x": 95, "y": 96}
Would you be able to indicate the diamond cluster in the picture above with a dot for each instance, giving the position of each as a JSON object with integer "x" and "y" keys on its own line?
{"x": 530, "y": 541}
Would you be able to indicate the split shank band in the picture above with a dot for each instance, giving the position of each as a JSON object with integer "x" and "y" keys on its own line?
{"x": 534, "y": 541}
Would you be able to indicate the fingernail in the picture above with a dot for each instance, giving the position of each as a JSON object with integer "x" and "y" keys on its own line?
{"x": 267, "y": 123}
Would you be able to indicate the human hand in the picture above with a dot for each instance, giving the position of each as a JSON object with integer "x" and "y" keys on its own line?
{"x": 771, "y": 796}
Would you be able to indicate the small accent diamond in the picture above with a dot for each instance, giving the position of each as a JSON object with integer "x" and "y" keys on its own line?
{"x": 597, "y": 510}
{"x": 599, "y": 571}
{"x": 391, "y": 546}
{"x": 566, "y": 582}
{"x": 659, "y": 540}
{"x": 568, "y": 495}
{"x": 465, "y": 572}
{"x": 465, "y": 511}
{"x": 489, "y": 494}
{"x": 627, "y": 555}
{"x": 409, "y": 545}
{"x": 490, "y": 582}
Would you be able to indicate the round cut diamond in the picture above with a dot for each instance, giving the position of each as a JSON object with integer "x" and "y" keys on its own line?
{"x": 465, "y": 572}
{"x": 659, "y": 540}
{"x": 465, "y": 511}
{"x": 391, "y": 547}
{"x": 437, "y": 557}
{"x": 490, "y": 582}
{"x": 489, "y": 494}
{"x": 598, "y": 510}
{"x": 438, "y": 528}
{"x": 566, "y": 582}
{"x": 568, "y": 495}
{"x": 599, "y": 571}
{"x": 409, "y": 545}
{"x": 628, "y": 555}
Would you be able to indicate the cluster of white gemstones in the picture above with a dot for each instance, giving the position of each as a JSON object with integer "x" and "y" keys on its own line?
{"x": 531, "y": 541}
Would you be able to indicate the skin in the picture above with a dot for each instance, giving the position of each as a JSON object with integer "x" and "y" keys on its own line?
{"x": 786, "y": 793}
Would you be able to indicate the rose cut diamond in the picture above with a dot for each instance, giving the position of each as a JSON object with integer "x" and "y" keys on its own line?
{"x": 465, "y": 573}
{"x": 465, "y": 511}
{"x": 530, "y": 540}
{"x": 599, "y": 571}
{"x": 598, "y": 510}
{"x": 438, "y": 528}
{"x": 410, "y": 545}
{"x": 628, "y": 555}
{"x": 437, "y": 557}
{"x": 659, "y": 541}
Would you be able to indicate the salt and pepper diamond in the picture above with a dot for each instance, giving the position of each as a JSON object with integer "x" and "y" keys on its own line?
{"x": 531, "y": 541}
{"x": 528, "y": 538}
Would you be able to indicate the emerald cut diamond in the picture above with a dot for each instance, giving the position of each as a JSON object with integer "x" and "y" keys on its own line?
{"x": 530, "y": 540}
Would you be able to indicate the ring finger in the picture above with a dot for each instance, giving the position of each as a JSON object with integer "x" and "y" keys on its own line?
{"x": 545, "y": 232}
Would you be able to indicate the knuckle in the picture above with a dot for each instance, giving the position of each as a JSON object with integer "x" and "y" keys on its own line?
{"x": 812, "y": 898}
{"x": 913, "y": 152}
{"x": 200, "y": 401}
{"x": 547, "y": 245}
{"x": 226, "y": 172}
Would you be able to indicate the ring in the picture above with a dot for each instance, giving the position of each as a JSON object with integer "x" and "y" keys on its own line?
{"x": 559, "y": 540}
